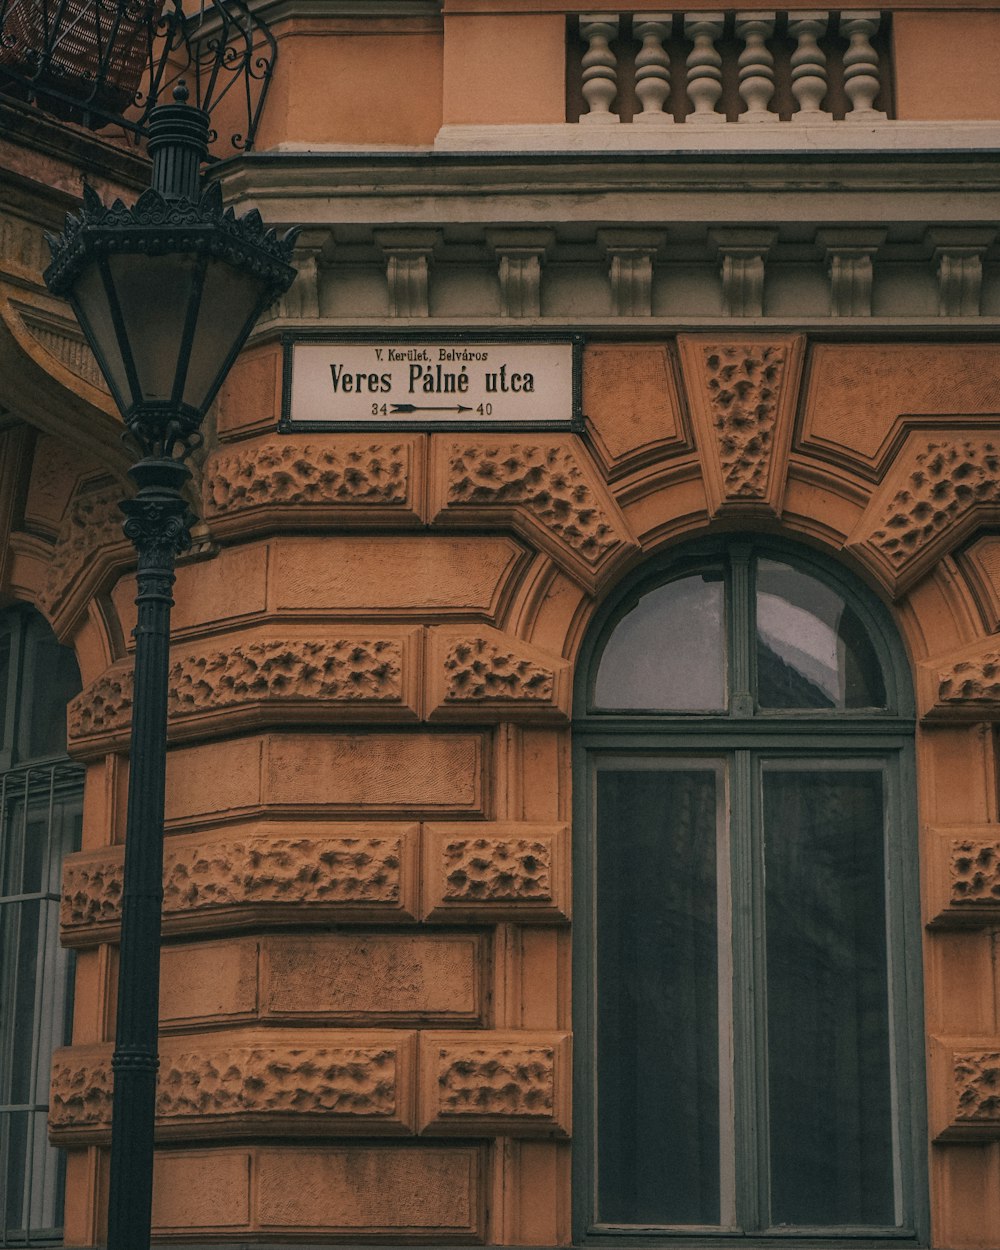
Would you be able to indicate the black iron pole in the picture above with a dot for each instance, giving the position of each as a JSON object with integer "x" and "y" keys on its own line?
{"x": 156, "y": 521}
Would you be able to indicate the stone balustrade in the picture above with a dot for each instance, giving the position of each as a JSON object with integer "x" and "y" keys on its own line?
{"x": 707, "y": 68}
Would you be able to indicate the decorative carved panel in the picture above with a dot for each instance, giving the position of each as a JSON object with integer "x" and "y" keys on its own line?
{"x": 742, "y": 395}
{"x": 548, "y": 491}
{"x": 288, "y": 873}
{"x": 481, "y": 673}
{"x": 244, "y": 1081}
{"x": 295, "y": 481}
{"x": 495, "y": 871}
{"x": 514, "y": 1084}
{"x": 346, "y": 673}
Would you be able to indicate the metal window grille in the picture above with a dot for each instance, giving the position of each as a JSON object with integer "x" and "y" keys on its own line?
{"x": 40, "y": 818}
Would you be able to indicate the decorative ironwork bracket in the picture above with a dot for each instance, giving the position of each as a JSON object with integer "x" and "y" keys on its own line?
{"x": 101, "y": 63}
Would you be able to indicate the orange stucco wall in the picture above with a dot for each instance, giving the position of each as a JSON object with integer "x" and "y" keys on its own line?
{"x": 505, "y": 69}
{"x": 361, "y": 82}
{"x": 946, "y": 65}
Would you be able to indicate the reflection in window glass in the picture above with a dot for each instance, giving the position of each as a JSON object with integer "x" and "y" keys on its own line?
{"x": 812, "y": 650}
{"x": 669, "y": 652}
{"x": 658, "y": 1000}
{"x": 829, "y": 1062}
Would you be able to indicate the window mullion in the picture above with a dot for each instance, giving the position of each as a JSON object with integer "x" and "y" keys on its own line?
{"x": 741, "y": 630}
{"x": 746, "y": 1046}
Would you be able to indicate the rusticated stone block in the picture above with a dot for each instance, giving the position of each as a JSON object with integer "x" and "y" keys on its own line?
{"x": 434, "y": 1193}
{"x": 82, "y": 1084}
{"x": 204, "y": 1190}
{"x": 947, "y": 479}
{"x": 307, "y": 480}
{"x": 208, "y": 982}
{"x": 971, "y": 681}
{"x": 514, "y": 1084}
{"x": 975, "y": 873}
{"x": 374, "y": 978}
{"x": 92, "y": 523}
{"x": 478, "y": 669}
{"x": 287, "y": 872}
{"x": 930, "y": 502}
{"x": 743, "y": 395}
{"x": 962, "y": 874}
{"x": 965, "y": 1102}
{"x": 405, "y": 574}
{"x": 743, "y": 385}
{"x": 546, "y": 481}
{"x": 484, "y": 872}
{"x": 281, "y": 675}
{"x": 546, "y": 490}
{"x": 246, "y": 1081}
{"x": 480, "y": 673}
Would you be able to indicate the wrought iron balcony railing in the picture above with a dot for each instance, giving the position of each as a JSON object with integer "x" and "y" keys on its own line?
{"x": 101, "y": 63}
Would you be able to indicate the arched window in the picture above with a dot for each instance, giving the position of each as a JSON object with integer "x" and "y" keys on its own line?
{"x": 747, "y": 944}
{"x": 41, "y": 797}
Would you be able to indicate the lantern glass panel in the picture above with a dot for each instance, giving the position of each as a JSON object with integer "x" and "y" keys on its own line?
{"x": 230, "y": 302}
{"x": 155, "y": 293}
{"x": 90, "y": 298}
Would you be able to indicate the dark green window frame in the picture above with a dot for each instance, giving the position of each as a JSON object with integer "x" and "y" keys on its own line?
{"x": 747, "y": 738}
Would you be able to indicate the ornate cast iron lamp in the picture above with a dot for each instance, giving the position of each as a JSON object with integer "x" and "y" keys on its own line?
{"x": 166, "y": 293}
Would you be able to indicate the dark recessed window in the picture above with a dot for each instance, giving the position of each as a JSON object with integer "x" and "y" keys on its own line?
{"x": 747, "y": 1030}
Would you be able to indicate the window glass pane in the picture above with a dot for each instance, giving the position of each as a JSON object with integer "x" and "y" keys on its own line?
{"x": 812, "y": 650}
{"x": 658, "y": 999}
{"x": 669, "y": 652}
{"x": 51, "y": 679}
{"x": 829, "y": 1084}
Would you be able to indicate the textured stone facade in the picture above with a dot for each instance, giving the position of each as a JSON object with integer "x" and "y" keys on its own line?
{"x": 743, "y": 385}
{"x": 270, "y": 873}
{"x": 975, "y": 874}
{"x": 498, "y": 1081}
{"x": 291, "y": 475}
{"x": 495, "y": 869}
{"x": 477, "y": 668}
{"x": 948, "y": 479}
{"x": 545, "y": 481}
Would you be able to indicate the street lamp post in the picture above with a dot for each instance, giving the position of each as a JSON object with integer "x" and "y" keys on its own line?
{"x": 166, "y": 292}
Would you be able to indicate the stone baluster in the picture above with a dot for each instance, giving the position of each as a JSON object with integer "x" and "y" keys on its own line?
{"x": 600, "y": 67}
{"x": 652, "y": 67}
{"x": 809, "y": 78}
{"x": 741, "y": 255}
{"x": 861, "y": 70}
{"x": 756, "y": 66}
{"x": 520, "y": 254}
{"x": 408, "y": 257}
{"x": 958, "y": 262}
{"x": 630, "y": 256}
{"x": 704, "y": 67}
{"x": 849, "y": 261}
